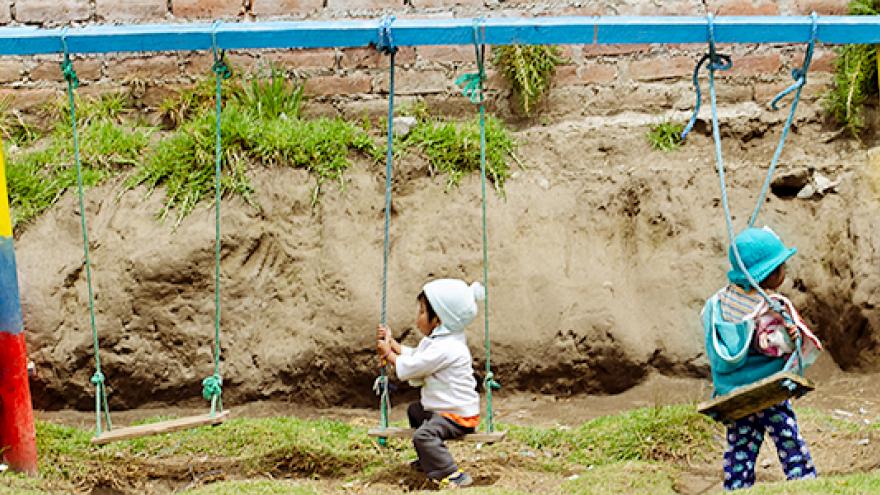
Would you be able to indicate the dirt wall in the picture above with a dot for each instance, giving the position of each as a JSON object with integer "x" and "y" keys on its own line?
{"x": 602, "y": 252}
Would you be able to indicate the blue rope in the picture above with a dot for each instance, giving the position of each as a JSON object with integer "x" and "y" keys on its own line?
{"x": 719, "y": 161}
{"x": 386, "y": 46}
{"x": 717, "y": 61}
{"x": 800, "y": 76}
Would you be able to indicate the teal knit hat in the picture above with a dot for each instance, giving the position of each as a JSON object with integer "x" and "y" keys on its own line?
{"x": 761, "y": 251}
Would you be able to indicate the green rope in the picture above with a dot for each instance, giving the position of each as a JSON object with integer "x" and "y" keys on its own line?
{"x": 98, "y": 378}
{"x": 472, "y": 88}
{"x": 385, "y": 44}
{"x": 212, "y": 386}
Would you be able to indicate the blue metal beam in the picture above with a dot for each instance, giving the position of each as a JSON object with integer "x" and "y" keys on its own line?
{"x": 418, "y": 32}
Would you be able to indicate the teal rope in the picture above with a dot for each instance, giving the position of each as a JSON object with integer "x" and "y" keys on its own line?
{"x": 386, "y": 45}
{"x": 212, "y": 386}
{"x": 719, "y": 162}
{"x": 800, "y": 77}
{"x": 473, "y": 89}
{"x": 98, "y": 378}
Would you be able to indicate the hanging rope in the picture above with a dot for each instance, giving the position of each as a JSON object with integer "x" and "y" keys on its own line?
{"x": 719, "y": 161}
{"x": 800, "y": 77}
{"x": 473, "y": 88}
{"x": 385, "y": 44}
{"x": 98, "y": 378}
{"x": 212, "y": 386}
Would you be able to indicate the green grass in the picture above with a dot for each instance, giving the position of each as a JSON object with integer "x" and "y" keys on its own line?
{"x": 529, "y": 69}
{"x": 453, "y": 148}
{"x": 673, "y": 433}
{"x": 855, "y": 76}
{"x": 665, "y": 136}
{"x": 852, "y": 484}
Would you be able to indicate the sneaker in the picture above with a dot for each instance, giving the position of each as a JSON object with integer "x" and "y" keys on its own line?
{"x": 458, "y": 479}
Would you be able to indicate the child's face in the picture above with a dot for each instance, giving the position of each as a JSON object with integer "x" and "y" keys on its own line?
{"x": 775, "y": 279}
{"x": 425, "y": 325}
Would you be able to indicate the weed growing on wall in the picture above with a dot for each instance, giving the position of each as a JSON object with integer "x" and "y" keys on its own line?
{"x": 665, "y": 136}
{"x": 529, "y": 69}
{"x": 855, "y": 76}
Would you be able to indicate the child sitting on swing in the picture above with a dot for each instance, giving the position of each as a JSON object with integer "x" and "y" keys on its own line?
{"x": 747, "y": 341}
{"x": 442, "y": 366}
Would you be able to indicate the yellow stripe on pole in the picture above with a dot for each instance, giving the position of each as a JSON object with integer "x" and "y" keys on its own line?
{"x": 5, "y": 219}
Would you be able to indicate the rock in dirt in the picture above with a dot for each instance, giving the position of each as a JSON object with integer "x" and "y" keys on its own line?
{"x": 403, "y": 125}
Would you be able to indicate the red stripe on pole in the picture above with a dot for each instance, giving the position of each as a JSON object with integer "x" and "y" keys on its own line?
{"x": 17, "y": 437}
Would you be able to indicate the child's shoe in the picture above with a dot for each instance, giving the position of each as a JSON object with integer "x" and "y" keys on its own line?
{"x": 458, "y": 479}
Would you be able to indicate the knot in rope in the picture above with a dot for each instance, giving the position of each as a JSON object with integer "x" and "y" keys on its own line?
{"x": 490, "y": 383}
{"x": 212, "y": 386}
{"x": 220, "y": 67}
{"x": 471, "y": 85}
{"x": 799, "y": 74}
{"x": 713, "y": 61}
{"x": 98, "y": 379}
{"x": 385, "y": 44}
{"x": 68, "y": 71}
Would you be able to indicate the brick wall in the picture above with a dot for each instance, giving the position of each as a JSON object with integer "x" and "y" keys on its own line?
{"x": 595, "y": 79}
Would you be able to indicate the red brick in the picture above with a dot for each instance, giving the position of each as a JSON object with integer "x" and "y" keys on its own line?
{"x": 364, "y": 4}
{"x": 823, "y": 61}
{"x": 661, "y": 68}
{"x": 413, "y": 82}
{"x": 755, "y": 65}
{"x": 24, "y": 98}
{"x": 199, "y": 64}
{"x": 5, "y": 12}
{"x": 285, "y": 7}
{"x": 11, "y": 70}
{"x": 337, "y": 85}
{"x": 152, "y": 68}
{"x": 747, "y": 7}
{"x": 572, "y": 75}
{"x": 52, "y": 11}
{"x": 50, "y": 70}
{"x": 206, "y": 8}
{"x": 131, "y": 10}
{"x": 446, "y": 53}
{"x": 324, "y": 58}
{"x": 370, "y": 58}
{"x": 822, "y": 7}
{"x": 612, "y": 50}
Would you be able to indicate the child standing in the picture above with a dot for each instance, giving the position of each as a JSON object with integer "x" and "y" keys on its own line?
{"x": 442, "y": 366}
{"x": 730, "y": 319}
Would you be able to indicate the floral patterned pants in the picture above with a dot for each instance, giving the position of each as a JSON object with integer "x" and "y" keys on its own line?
{"x": 744, "y": 438}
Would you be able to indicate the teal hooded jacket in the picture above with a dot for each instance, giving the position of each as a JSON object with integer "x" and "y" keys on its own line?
{"x": 728, "y": 347}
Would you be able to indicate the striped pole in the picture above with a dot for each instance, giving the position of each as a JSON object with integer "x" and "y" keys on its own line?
{"x": 18, "y": 447}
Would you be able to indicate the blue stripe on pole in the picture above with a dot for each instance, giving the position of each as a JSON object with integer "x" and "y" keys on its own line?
{"x": 419, "y": 32}
{"x": 10, "y": 309}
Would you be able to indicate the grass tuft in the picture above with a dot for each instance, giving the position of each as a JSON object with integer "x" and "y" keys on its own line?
{"x": 529, "y": 69}
{"x": 665, "y": 136}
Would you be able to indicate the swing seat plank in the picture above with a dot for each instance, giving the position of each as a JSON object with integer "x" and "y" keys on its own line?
{"x": 755, "y": 397}
{"x": 169, "y": 426}
{"x": 481, "y": 437}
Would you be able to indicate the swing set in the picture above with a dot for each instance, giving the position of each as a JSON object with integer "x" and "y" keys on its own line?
{"x": 480, "y": 32}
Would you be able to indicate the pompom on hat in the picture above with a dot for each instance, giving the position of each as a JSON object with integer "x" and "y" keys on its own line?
{"x": 454, "y": 301}
{"x": 761, "y": 251}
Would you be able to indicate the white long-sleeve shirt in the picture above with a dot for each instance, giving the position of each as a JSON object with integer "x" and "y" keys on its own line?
{"x": 443, "y": 363}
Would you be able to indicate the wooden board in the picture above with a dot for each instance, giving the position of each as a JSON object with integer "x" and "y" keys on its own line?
{"x": 408, "y": 433}
{"x": 130, "y": 432}
{"x": 755, "y": 397}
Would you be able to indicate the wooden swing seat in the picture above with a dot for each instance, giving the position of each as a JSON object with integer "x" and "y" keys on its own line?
{"x": 178, "y": 424}
{"x": 755, "y": 397}
{"x": 408, "y": 433}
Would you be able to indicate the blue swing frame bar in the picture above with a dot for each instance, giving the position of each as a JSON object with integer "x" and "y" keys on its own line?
{"x": 423, "y": 32}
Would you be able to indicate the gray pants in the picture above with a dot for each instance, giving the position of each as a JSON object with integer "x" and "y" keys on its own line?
{"x": 431, "y": 430}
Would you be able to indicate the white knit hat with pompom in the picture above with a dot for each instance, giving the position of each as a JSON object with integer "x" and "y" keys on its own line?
{"x": 454, "y": 301}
